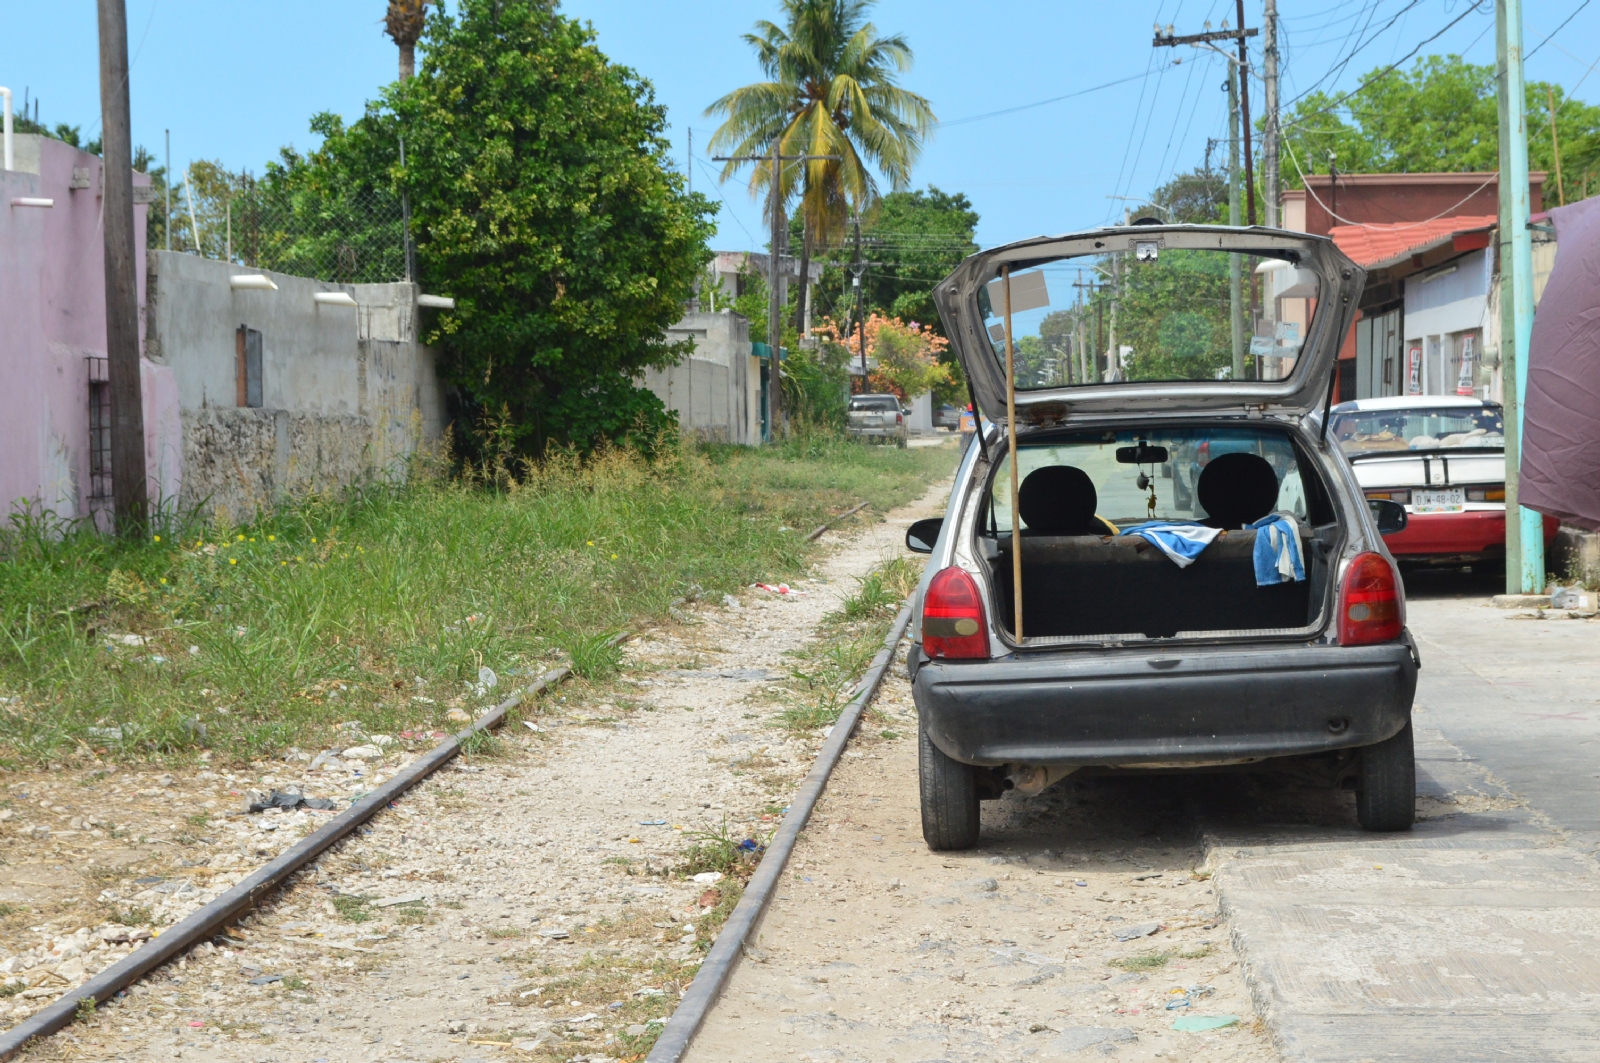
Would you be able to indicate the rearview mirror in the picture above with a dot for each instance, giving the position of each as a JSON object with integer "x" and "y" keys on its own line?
{"x": 922, "y": 534}
{"x": 1391, "y": 517}
{"x": 1143, "y": 454}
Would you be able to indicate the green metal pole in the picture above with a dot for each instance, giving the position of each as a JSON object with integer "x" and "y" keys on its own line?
{"x": 1235, "y": 265}
{"x": 1525, "y": 567}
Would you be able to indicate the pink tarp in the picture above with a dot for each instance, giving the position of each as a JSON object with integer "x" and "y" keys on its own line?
{"x": 1561, "y": 420}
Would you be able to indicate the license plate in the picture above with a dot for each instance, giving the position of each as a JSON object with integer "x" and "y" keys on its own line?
{"x": 1447, "y": 500}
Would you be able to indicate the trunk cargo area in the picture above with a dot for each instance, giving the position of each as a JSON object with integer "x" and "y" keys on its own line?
{"x": 1082, "y": 586}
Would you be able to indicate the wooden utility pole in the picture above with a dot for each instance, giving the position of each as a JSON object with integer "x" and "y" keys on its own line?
{"x": 1242, "y": 64}
{"x": 1235, "y": 266}
{"x": 128, "y": 489}
{"x": 774, "y": 275}
{"x": 1269, "y": 135}
{"x": 1244, "y": 119}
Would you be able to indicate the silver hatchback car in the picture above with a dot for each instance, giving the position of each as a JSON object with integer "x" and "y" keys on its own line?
{"x": 1078, "y": 615}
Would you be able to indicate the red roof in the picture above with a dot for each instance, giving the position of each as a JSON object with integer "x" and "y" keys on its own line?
{"x": 1381, "y": 246}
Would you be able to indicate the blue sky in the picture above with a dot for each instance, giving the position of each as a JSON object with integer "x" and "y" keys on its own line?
{"x": 236, "y": 79}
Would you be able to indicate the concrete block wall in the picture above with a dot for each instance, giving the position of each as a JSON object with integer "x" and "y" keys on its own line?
{"x": 348, "y": 394}
{"x": 716, "y": 389}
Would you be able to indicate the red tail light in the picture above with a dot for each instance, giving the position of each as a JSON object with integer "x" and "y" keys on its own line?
{"x": 952, "y": 617}
{"x": 899, "y": 418}
{"x": 1204, "y": 453}
{"x": 1369, "y": 603}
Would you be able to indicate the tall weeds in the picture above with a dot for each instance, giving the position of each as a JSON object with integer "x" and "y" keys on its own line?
{"x": 392, "y": 604}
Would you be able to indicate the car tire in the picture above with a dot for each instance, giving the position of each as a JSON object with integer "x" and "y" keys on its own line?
{"x": 1386, "y": 794}
{"x": 949, "y": 798}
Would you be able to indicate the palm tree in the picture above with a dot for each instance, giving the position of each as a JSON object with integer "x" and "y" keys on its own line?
{"x": 831, "y": 90}
{"x": 404, "y": 23}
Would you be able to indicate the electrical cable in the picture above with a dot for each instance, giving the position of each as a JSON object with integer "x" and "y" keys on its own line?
{"x": 1041, "y": 103}
{"x": 725, "y": 203}
{"x": 1289, "y": 148}
{"x": 1341, "y": 65}
{"x": 1557, "y": 30}
{"x": 1383, "y": 72}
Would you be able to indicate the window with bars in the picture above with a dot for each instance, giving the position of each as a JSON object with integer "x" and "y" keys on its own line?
{"x": 99, "y": 429}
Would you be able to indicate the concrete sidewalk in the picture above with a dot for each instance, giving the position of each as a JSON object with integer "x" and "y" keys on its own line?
{"x": 1476, "y": 936}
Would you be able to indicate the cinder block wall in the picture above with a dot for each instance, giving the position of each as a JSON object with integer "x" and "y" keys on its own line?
{"x": 347, "y": 393}
{"x": 711, "y": 390}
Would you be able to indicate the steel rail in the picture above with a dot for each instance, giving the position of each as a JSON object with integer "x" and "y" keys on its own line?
{"x": 714, "y": 973}
{"x": 816, "y": 532}
{"x": 204, "y": 923}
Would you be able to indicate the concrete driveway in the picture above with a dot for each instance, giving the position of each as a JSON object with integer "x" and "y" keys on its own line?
{"x": 1476, "y": 936}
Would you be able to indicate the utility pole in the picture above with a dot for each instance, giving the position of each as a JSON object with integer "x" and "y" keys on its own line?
{"x": 1235, "y": 267}
{"x": 1242, "y": 64}
{"x": 1269, "y": 134}
{"x": 128, "y": 489}
{"x": 857, "y": 268}
{"x": 1244, "y": 117}
{"x": 774, "y": 273}
{"x": 1524, "y": 527}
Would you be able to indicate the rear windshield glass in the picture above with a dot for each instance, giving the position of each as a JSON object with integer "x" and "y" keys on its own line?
{"x": 1129, "y": 492}
{"x": 875, "y": 402}
{"x": 1418, "y": 428}
{"x": 1154, "y": 314}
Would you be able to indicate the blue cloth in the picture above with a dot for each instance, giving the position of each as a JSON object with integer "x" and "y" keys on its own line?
{"x": 1181, "y": 540}
{"x": 1277, "y": 552}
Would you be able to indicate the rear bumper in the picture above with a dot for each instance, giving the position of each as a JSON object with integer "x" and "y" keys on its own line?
{"x": 886, "y": 433}
{"x": 1474, "y": 533}
{"x": 1186, "y": 706}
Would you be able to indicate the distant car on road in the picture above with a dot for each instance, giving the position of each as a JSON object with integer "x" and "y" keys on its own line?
{"x": 947, "y": 416}
{"x": 877, "y": 417}
{"x": 1443, "y": 458}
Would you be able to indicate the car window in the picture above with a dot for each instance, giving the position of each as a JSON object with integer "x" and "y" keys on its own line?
{"x": 1132, "y": 316}
{"x": 1172, "y": 483}
{"x": 876, "y": 402}
{"x": 1418, "y": 428}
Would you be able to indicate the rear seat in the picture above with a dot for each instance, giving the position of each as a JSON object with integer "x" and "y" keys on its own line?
{"x": 1088, "y": 585}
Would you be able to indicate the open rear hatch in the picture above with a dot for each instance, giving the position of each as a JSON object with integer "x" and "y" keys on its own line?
{"x": 1143, "y": 356}
{"x": 1131, "y": 321}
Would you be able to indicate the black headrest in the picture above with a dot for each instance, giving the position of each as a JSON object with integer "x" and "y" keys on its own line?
{"x": 1237, "y": 489}
{"x": 1059, "y": 500}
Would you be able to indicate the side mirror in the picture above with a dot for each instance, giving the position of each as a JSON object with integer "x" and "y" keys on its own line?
{"x": 1390, "y": 516}
{"x": 922, "y": 534}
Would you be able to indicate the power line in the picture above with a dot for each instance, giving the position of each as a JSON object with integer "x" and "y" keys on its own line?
{"x": 1339, "y": 67}
{"x": 1558, "y": 29}
{"x": 1041, "y": 103}
{"x": 1385, "y": 70}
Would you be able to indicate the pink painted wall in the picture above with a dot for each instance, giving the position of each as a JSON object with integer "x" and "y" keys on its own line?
{"x": 52, "y": 318}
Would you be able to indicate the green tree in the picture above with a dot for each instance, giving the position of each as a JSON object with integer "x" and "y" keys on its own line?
{"x": 1439, "y": 116}
{"x": 831, "y": 90}
{"x": 544, "y": 202}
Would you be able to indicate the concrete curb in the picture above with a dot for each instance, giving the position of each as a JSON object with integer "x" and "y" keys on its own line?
{"x": 725, "y": 951}
{"x": 202, "y": 924}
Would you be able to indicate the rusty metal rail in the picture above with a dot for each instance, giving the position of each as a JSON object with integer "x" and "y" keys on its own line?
{"x": 816, "y": 533}
{"x": 206, "y": 922}
{"x": 718, "y": 967}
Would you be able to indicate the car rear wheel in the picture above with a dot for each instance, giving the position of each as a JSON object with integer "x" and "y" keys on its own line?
{"x": 1386, "y": 798}
{"x": 949, "y": 798}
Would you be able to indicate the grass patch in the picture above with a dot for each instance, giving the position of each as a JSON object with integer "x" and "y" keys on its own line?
{"x": 720, "y": 849}
{"x": 823, "y": 679}
{"x": 294, "y": 982}
{"x": 1144, "y": 961}
{"x": 353, "y": 908}
{"x": 385, "y": 605}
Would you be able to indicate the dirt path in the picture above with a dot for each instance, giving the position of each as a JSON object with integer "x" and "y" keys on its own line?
{"x": 513, "y": 906}
{"x": 877, "y": 949}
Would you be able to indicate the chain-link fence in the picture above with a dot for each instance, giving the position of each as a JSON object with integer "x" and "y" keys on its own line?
{"x": 352, "y": 238}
